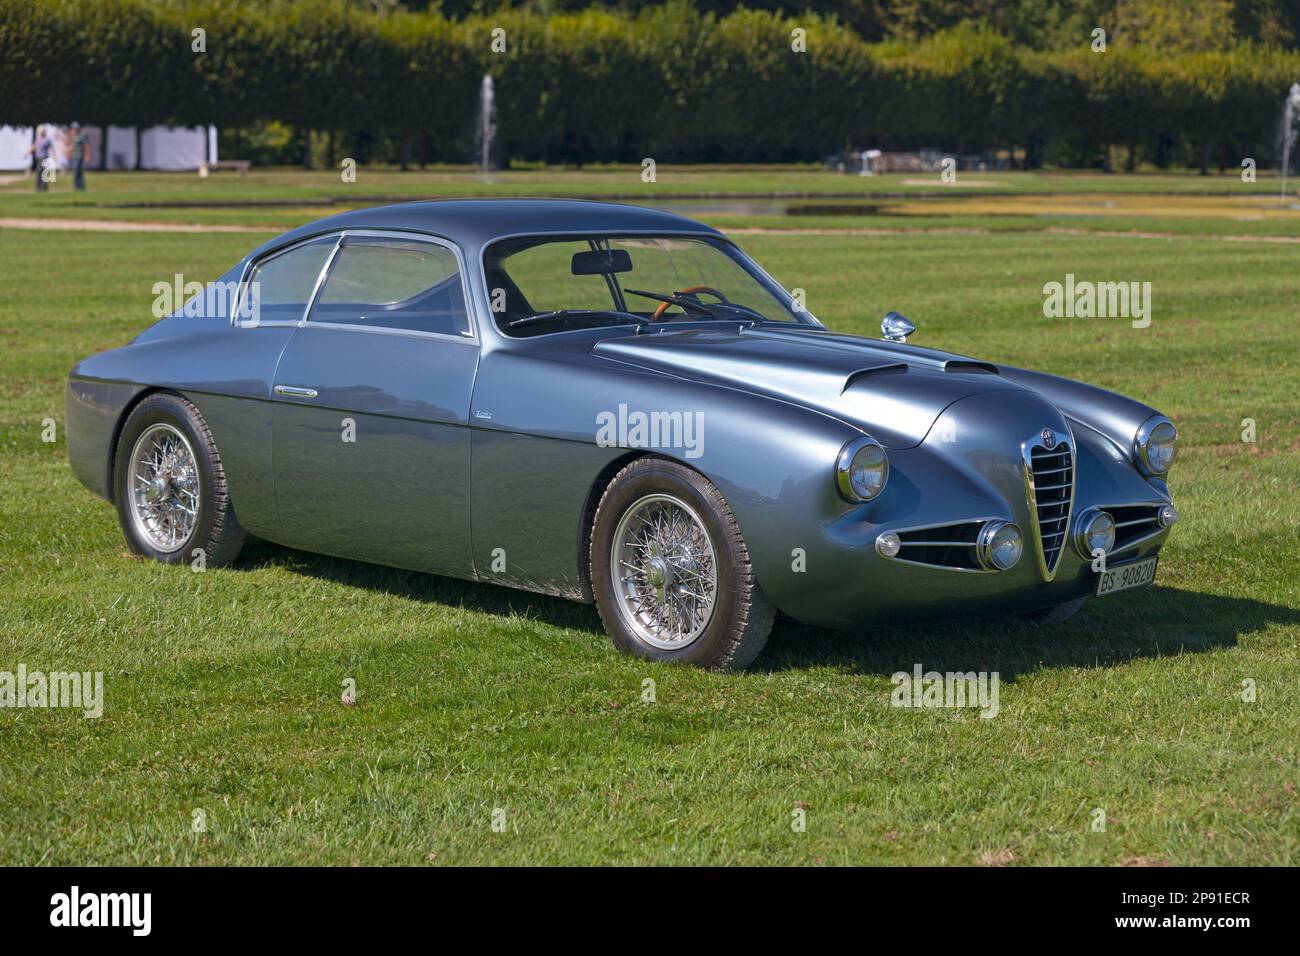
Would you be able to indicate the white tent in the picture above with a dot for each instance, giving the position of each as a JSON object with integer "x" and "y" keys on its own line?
{"x": 161, "y": 147}
{"x": 14, "y": 141}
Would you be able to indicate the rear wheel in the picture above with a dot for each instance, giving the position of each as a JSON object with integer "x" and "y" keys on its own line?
{"x": 671, "y": 572}
{"x": 170, "y": 486}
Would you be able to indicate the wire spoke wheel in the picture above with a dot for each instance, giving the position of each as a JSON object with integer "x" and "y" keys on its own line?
{"x": 665, "y": 571}
{"x": 165, "y": 487}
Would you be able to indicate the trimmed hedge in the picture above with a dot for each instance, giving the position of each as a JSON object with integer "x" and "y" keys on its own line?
{"x": 670, "y": 82}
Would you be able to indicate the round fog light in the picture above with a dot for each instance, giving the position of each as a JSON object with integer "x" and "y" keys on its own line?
{"x": 888, "y": 544}
{"x": 1094, "y": 530}
{"x": 999, "y": 546}
{"x": 1168, "y": 515}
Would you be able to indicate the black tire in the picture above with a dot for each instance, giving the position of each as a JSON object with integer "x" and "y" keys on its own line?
{"x": 1058, "y": 614}
{"x": 741, "y": 616}
{"x": 216, "y": 530}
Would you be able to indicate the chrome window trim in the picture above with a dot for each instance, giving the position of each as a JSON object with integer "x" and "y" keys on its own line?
{"x": 380, "y": 330}
{"x": 469, "y": 337}
{"x": 253, "y": 264}
{"x": 813, "y": 322}
{"x": 320, "y": 279}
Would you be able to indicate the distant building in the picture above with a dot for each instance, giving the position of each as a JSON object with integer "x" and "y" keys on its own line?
{"x": 161, "y": 147}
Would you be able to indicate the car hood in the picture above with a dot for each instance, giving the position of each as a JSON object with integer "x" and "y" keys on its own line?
{"x": 892, "y": 391}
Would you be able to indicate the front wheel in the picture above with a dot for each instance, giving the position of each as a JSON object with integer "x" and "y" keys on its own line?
{"x": 671, "y": 573}
{"x": 170, "y": 486}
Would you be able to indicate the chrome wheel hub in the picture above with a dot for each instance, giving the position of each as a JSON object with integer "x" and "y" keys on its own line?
{"x": 664, "y": 567}
{"x": 164, "y": 494}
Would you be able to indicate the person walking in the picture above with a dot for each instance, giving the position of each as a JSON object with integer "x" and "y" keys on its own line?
{"x": 77, "y": 157}
{"x": 41, "y": 147}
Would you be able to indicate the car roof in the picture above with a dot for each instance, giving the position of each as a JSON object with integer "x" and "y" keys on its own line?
{"x": 473, "y": 223}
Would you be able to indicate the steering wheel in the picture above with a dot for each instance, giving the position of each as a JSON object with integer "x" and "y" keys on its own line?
{"x": 693, "y": 290}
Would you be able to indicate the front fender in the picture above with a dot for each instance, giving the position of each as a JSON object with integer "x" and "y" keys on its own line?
{"x": 540, "y": 441}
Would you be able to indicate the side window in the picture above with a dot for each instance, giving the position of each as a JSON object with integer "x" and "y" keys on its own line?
{"x": 281, "y": 286}
{"x": 383, "y": 283}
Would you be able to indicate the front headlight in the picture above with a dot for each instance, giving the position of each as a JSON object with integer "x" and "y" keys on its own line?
{"x": 861, "y": 470}
{"x": 1155, "y": 445}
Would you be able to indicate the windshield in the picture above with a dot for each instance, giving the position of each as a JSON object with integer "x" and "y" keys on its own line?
{"x": 538, "y": 285}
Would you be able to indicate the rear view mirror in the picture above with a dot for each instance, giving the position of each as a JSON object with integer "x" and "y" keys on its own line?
{"x": 598, "y": 262}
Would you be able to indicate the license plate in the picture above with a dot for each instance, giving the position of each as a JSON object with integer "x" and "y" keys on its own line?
{"x": 1134, "y": 575}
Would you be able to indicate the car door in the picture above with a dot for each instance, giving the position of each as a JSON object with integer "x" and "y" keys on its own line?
{"x": 370, "y": 443}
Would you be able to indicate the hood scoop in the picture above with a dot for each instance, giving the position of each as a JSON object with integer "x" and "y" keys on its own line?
{"x": 894, "y": 352}
{"x": 854, "y": 376}
{"x": 894, "y": 392}
{"x": 970, "y": 365}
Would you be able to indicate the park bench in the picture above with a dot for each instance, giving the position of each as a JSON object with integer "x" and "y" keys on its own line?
{"x": 240, "y": 166}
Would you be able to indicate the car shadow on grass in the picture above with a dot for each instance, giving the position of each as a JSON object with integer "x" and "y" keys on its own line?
{"x": 1152, "y": 623}
{"x": 419, "y": 586}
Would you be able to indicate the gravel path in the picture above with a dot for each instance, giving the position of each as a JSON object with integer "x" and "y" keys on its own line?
{"x": 119, "y": 225}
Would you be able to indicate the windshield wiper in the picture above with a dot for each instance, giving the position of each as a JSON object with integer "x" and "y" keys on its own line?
{"x": 684, "y": 302}
{"x": 575, "y": 314}
{"x": 709, "y": 309}
{"x": 737, "y": 307}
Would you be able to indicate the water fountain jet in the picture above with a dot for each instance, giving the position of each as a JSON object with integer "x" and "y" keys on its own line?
{"x": 487, "y": 124}
{"x": 1290, "y": 113}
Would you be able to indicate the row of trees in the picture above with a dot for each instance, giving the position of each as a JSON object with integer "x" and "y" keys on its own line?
{"x": 670, "y": 82}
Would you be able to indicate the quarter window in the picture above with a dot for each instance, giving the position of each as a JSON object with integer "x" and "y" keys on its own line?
{"x": 404, "y": 284}
{"x": 281, "y": 286}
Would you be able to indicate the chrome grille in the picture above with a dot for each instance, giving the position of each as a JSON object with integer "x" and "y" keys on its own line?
{"x": 1052, "y": 492}
{"x": 942, "y": 546}
{"x": 1134, "y": 524}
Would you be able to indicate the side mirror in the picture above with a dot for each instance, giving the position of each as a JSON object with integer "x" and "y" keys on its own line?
{"x": 896, "y": 327}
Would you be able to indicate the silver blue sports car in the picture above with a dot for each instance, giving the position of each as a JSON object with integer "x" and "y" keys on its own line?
{"x": 611, "y": 404}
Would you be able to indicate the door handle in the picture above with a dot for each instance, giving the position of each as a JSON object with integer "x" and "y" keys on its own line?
{"x": 296, "y": 391}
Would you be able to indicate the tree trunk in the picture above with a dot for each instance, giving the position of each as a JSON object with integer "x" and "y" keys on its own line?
{"x": 1205, "y": 158}
{"x": 306, "y": 148}
{"x": 407, "y": 143}
{"x": 139, "y": 152}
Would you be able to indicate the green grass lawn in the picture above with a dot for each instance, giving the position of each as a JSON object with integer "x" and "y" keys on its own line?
{"x": 277, "y": 199}
{"x": 223, "y": 687}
